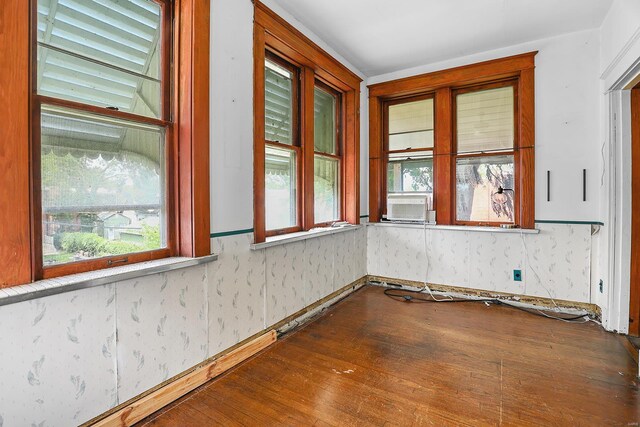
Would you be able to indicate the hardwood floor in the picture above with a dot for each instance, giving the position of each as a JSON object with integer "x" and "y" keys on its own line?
{"x": 371, "y": 360}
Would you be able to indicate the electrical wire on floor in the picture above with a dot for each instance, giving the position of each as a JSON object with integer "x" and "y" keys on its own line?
{"x": 405, "y": 295}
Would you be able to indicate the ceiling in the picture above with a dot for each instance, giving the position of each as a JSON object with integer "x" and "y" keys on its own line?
{"x": 381, "y": 36}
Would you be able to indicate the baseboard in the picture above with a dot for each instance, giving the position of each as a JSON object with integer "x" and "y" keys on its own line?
{"x": 151, "y": 401}
{"x": 591, "y": 309}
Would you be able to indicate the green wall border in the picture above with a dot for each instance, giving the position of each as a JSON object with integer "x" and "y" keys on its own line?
{"x": 550, "y": 221}
{"x": 231, "y": 233}
{"x": 538, "y": 221}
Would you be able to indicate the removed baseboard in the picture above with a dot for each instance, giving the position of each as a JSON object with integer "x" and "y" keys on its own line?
{"x": 568, "y": 306}
{"x": 314, "y": 309}
{"x": 145, "y": 404}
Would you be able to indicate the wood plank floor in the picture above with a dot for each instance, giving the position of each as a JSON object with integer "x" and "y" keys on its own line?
{"x": 371, "y": 360}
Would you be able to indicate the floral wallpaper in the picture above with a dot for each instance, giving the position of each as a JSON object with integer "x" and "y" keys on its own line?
{"x": 556, "y": 262}
{"x": 67, "y": 358}
{"x": 58, "y": 358}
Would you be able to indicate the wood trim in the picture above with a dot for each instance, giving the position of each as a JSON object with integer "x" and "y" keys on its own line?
{"x": 351, "y": 156}
{"x": 102, "y": 263}
{"x": 307, "y": 134}
{"x": 376, "y": 161}
{"x": 492, "y": 70}
{"x": 285, "y": 32}
{"x": 634, "y": 298}
{"x": 259, "y": 220}
{"x": 15, "y": 224}
{"x": 526, "y": 144}
{"x": 121, "y": 115}
{"x": 442, "y": 163}
{"x": 152, "y": 402}
{"x": 194, "y": 226}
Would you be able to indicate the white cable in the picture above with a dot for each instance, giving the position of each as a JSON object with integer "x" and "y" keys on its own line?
{"x": 426, "y": 271}
{"x": 528, "y": 262}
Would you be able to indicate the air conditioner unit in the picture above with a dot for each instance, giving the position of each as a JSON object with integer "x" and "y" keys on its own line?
{"x": 409, "y": 207}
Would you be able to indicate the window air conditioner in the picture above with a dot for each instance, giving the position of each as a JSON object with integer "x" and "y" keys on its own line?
{"x": 409, "y": 207}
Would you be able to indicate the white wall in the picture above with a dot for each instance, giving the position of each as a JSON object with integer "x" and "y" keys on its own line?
{"x": 567, "y": 119}
{"x": 620, "y": 40}
{"x": 231, "y": 115}
{"x": 232, "y": 112}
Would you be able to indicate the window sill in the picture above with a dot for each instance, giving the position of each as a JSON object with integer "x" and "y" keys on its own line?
{"x": 74, "y": 282}
{"x": 303, "y": 235}
{"x": 470, "y": 228}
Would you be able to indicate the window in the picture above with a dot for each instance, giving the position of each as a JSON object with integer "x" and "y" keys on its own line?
{"x": 104, "y": 176}
{"x": 306, "y": 133}
{"x": 460, "y": 140}
{"x": 96, "y": 166}
{"x": 409, "y": 155}
{"x": 327, "y": 158}
{"x": 282, "y": 151}
{"x": 485, "y": 143}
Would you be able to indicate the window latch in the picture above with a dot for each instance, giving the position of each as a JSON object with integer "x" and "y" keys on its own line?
{"x": 113, "y": 108}
{"x": 118, "y": 261}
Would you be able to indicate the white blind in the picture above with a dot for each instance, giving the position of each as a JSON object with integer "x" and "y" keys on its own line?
{"x": 411, "y": 125}
{"x": 72, "y": 34}
{"x": 485, "y": 120}
{"x": 278, "y": 88}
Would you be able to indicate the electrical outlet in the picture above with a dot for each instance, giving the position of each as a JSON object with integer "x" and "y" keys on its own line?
{"x": 601, "y": 286}
{"x": 517, "y": 275}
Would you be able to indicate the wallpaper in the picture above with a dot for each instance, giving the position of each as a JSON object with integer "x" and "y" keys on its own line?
{"x": 68, "y": 358}
{"x": 554, "y": 263}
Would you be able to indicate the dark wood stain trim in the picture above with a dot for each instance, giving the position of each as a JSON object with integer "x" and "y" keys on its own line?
{"x": 517, "y": 70}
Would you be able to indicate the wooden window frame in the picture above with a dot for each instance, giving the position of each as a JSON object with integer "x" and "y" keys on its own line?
{"x": 186, "y": 118}
{"x": 444, "y": 84}
{"x": 274, "y": 35}
{"x": 385, "y": 135}
{"x": 513, "y": 152}
{"x": 338, "y": 120}
{"x": 296, "y": 145}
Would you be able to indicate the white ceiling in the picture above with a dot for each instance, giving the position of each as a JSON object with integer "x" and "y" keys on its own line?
{"x": 380, "y": 36}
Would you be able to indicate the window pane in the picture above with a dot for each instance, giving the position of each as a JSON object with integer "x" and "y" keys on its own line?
{"x": 326, "y": 189}
{"x": 125, "y": 34}
{"x": 280, "y": 189}
{"x": 477, "y": 182}
{"x": 485, "y": 120}
{"x": 71, "y": 78}
{"x": 411, "y": 125}
{"x": 279, "y": 104}
{"x": 324, "y": 122}
{"x": 409, "y": 185}
{"x": 103, "y": 190}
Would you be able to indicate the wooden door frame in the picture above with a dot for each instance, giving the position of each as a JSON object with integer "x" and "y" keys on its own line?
{"x": 634, "y": 279}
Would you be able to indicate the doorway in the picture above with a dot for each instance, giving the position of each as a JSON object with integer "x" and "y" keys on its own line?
{"x": 634, "y": 303}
